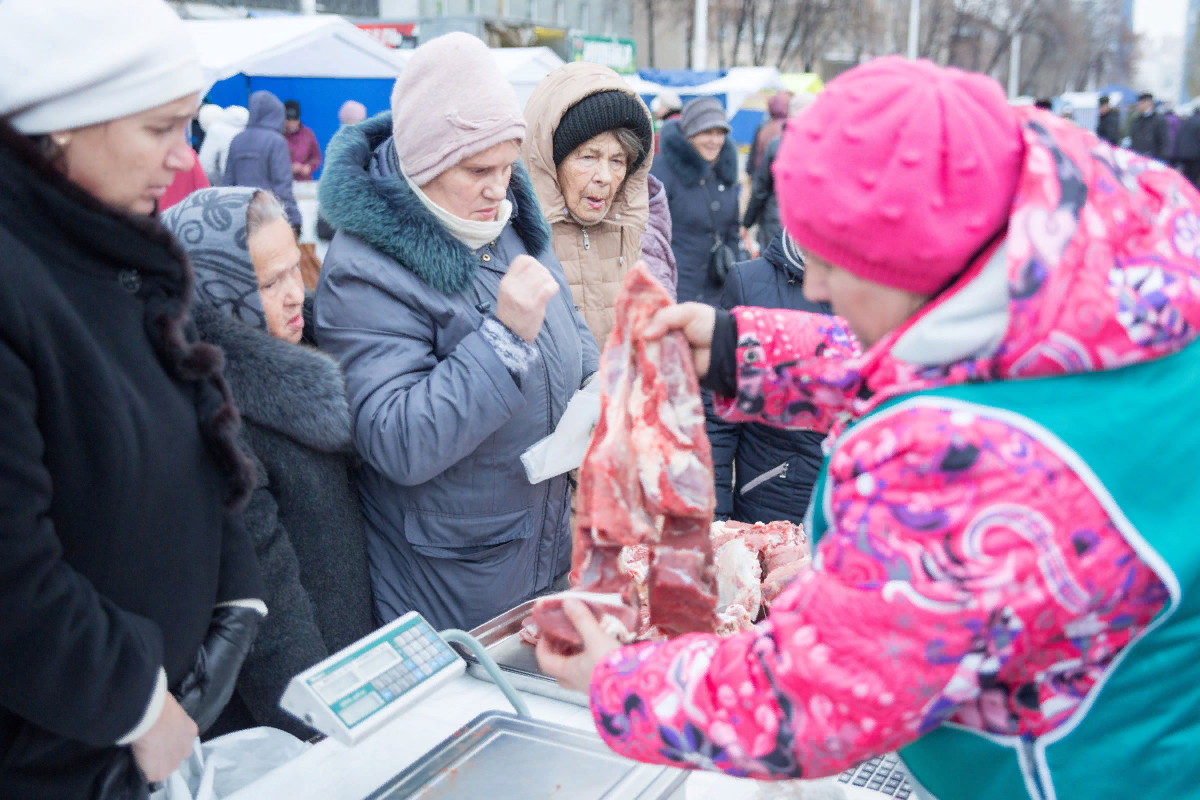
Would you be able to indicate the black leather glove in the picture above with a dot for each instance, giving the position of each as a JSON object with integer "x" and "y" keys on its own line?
{"x": 205, "y": 690}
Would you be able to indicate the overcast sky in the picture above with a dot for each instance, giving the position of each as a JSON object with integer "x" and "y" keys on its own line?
{"x": 1159, "y": 17}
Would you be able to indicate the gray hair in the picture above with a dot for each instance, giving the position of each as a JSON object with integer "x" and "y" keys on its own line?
{"x": 631, "y": 143}
{"x": 264, "y": 208}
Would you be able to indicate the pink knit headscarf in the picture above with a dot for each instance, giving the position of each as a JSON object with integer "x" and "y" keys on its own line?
{"x": 901, "y": 171}
{"x": 450, "y": 103}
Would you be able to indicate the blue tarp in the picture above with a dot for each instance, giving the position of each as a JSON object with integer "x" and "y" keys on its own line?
{"x": 319, "y": 98}
{"x": 676, "y": 78}
{"x": 1128, "y": 96}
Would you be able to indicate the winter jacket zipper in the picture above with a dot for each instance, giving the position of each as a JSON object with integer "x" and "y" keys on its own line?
{"x": 587, "y": 243}
{"x": 778, "y": 472}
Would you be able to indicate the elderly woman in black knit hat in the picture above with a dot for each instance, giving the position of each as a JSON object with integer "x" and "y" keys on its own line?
{"x": 591, "y": 139}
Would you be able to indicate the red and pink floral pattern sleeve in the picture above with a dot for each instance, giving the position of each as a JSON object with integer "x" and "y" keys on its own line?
{"x": 796, "y": 369}
{"x": 967, "y": 575}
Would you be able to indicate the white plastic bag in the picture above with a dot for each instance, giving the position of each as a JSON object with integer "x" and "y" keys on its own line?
{"x": 229, "y": 763}
{"x": 563, "y": 450}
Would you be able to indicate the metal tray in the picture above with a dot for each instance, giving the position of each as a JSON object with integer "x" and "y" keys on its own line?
{"x": 502, "y": 756}
{"x": 500, "y": 637}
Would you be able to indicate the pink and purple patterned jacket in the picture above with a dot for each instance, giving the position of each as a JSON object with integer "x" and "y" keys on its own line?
{"x": 1099, "y": 268}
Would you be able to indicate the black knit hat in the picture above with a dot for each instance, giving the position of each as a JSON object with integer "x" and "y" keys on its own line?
{"x": 291, "y": 109}
{"x": 600, "y": 112}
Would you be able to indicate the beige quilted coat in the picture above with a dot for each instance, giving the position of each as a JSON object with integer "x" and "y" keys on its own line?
{"x": 595, "y": 259}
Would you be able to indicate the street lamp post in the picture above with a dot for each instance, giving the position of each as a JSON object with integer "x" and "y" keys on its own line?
{"x": 914, "y": 28}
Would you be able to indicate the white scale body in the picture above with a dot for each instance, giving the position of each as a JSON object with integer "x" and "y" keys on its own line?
{"x": 356, "y": 691}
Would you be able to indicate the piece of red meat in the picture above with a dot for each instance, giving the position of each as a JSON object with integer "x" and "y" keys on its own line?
{"x": 553, "y": 625}
{"x": 647, "y": 478}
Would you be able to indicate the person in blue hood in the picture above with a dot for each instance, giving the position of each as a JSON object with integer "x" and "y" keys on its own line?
{"x": 258, "y": 156}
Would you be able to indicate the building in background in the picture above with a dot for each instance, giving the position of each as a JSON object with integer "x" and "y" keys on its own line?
{"x": 1190, "y": 81}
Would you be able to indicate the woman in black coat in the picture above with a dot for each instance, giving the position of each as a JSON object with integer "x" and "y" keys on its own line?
{"x": 775, "y": 469}
{"x": 304, "y": 514}
{"x": 698, "y": 166}
{"x": 129, "y": 589}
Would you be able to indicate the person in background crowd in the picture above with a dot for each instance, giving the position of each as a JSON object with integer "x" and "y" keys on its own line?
{"x": 768, "y": 130}
{"x": 1187, "y": 148}
{"x": 352, "y": 112}
{"x": 1044, "y": 103}
{"x": 1148, "y": 130}
{"x": 775, "y": 469}
{"x": 208, "y": 113}
{"x": 304, "y": 514}
{"x": 1108, "y": 125}
{"x": 219, "y": 132}
{"x": 258, "y": 156}
{"x": 664, "y": 106}
{"x": 698, "y": 167}
{"x": 763, "y": 209}
{"x": 1004, "y": 588}
{"x": 588, "y": 155}
{"x": 1173, "y": 123}
{"x": 197, "y": 129}
{"x": 443, "y": 300}
{"x": 129, "y": 586}
{"x": 186, "y": 181}
{"x": 302, "y": 144}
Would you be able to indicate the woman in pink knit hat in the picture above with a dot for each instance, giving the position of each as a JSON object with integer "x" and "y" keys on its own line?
{"x": 1006, "y": 586}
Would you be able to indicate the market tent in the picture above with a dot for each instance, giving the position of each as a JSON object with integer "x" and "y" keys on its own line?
{"x": 317, "y": 46}
{"x": 320, "y": 61}
{"x": 524, "y": 67}
{"x": 797, "y": 82}
{"x": 733, "y": 87}
{"x": 1084, "y": 108}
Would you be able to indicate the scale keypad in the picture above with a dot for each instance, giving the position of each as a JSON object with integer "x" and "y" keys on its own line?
{"x": 422, "y": 653}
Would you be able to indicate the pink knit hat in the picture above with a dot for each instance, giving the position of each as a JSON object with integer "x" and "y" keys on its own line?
{"x": 901, "y": 171}
{"x": 450, "y": 103}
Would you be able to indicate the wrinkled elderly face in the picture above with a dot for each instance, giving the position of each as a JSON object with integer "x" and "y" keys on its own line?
{"x": 475, "y": 187}
{"x": 871, "y": 309}
{"x": 709, "y": 143}
{"x": 277, "y": 266}
{"x": 591, "y": 176}
{"x": 128, "y": 163}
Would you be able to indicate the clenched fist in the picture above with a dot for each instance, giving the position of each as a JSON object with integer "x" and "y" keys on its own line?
{"x": 524, "y": 292}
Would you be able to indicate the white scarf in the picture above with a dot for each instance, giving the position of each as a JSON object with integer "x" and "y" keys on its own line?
{"x": 473, "y": 233}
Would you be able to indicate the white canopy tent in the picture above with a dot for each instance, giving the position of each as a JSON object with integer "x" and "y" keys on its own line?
{"x": 525, "y": 67}
{"x": 320, "y": 46}
{"x": 738, "y": 85}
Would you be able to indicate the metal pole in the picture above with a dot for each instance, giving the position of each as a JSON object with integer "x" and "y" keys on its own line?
{"x": 1014, "y": 67}
{"x": 700, "y": 36}
{"x": 914, "y": 28}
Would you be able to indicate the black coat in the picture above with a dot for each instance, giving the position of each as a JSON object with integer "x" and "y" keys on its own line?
{"x": 775, "y": 468}
{"x": 304, "y": 514}
{"x": 693, "y": 185}
{"x": 763, "y": 208}
{"x": 1108, "y": 126}
{"x": 1149, "y": 136}
{"x": 117, "y": 465}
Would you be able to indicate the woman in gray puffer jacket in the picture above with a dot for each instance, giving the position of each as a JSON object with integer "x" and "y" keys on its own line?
{"x": 460, "y": 349}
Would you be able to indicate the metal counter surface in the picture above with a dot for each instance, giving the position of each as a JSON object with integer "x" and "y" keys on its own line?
{"x": 332, "y": 771}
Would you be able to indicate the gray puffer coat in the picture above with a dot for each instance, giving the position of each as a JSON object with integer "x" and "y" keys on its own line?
{"x": 454, "y": 529}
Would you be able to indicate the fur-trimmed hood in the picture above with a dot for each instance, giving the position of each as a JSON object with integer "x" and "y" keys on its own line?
{"x": 288, "y": 388}
{"x": 363, "y": 195}
{"x": 686, "y": 163}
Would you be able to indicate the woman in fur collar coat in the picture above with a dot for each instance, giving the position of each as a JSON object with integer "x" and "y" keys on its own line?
{"x": 304, "y": 514}
{"x": 444, "y": 303}
{"x": 698, "y": 166}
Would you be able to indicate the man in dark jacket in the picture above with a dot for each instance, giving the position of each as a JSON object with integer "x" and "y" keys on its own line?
{"x": 775, "y": 469}
{"x": 1148, "y": 130}
{"x": 763, "y": 208}
{"x": 1187, "y": 148}
{"x": 259, "y": 157}
{"x": 1108, "y": 126}
{"x": 768, "y": 131}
